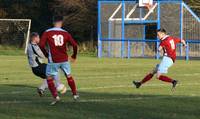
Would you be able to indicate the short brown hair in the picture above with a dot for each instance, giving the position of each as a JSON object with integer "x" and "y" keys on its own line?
{"x": 162, "y": 30}
{"x": 57, "y": 18}
{"x": 33, "y": 34}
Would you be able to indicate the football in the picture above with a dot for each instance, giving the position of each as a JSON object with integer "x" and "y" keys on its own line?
{"x": 62, "y": 89}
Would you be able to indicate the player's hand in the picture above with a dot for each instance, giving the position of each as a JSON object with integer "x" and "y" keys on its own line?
{"x": 72, "y": 60}
{"x": 184, "y": 45}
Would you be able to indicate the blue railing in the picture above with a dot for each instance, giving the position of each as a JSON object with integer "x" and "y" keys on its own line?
{"x": 122, "y": 39}
{"x": 148, "y": 41}
{"x": 141, "y": 40}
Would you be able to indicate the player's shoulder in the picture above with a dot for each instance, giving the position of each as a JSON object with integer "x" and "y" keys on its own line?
{"x": 29, "y": 46}
{"x": 168, "y": 38}
{"x": 56, "y": 29}
{"x": 165, "y": 39}
{"x": 172, "y": 38}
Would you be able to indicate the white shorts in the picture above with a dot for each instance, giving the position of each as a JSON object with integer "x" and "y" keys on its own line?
{"x": 53, "y": 68}
{"x": 165, "y": 64}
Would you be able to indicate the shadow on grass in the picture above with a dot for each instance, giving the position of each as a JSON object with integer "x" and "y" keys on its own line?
{"x": 18, "y": 86}
{"x": 97, "y": 106}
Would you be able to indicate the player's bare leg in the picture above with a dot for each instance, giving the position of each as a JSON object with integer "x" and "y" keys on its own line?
{"x": 167, "y": 79}
{"x": 148, "y": 77}
{"x": 72, "y": 85}
{"x": 53, "y": 90}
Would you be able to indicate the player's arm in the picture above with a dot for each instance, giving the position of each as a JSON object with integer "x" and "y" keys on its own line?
{"x": 42, "y": 43}
{"x": 184, "y": 43}
{"x": 160, "y": 48}
{"x": 75, "y": 47}
{"x": 29, "y": 52}
{"x": 178, "y": 40}
{"x": 40, "y": 53}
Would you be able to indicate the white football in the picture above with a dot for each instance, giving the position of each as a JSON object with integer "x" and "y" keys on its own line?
{"x": 62, "y": 89}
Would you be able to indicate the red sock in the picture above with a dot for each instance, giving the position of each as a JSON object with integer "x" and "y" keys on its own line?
{"x": 165, "y": 79}
{"x": 52, "y": 88}
{"x": 72, "y": 85}
{"x": 147, "y": 78}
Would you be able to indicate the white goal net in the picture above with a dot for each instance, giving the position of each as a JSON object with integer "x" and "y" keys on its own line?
{"x": 14, "y": 33}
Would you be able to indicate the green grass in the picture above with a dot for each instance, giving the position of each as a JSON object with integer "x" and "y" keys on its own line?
{"x": 105, "y": 87}
{"x": 11, "y": 52}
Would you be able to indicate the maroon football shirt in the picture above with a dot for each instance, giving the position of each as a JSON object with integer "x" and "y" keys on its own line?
{"x": 56, "y": 41}
{"x": 169, "y": 46}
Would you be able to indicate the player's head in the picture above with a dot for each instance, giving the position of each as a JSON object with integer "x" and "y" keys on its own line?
{"x": 161, "y": 33}
{"x": 58, "y": 21}
{"x": 34, "y": 37}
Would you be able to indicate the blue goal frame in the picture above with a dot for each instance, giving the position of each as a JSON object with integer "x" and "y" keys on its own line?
{"x": 157, "y": 21}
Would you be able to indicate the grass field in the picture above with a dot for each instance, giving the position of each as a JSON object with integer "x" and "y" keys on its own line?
{"x": 106, "y": 91}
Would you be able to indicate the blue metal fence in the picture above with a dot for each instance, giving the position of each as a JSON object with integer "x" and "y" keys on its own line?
{"x": 110, "y": 39}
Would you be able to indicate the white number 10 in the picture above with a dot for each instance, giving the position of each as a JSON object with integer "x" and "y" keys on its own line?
{"x": 172, "y": 44}
{"x": 58, "y": 40}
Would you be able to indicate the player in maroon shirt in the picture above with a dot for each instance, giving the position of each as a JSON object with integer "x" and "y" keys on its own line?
{"x": 55, "y": 39}
{"x": 168, "y": 46}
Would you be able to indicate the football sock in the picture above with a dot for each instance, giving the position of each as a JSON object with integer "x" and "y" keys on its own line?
{"x": 147, "y": 78}
{"x": 57, "y": 80}
{"x": 165, "y": 79}
{"x": 44, "y": 85}
{"x": 52, "y": 88}
{"x": 72, "y": 85}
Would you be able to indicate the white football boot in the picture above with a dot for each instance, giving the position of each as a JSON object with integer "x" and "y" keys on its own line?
{"x": 76, "y": 97}
{"x": 55, "y": 100}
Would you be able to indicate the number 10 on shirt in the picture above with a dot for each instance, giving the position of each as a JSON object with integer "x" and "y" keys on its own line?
{"x": 58, "y": 40}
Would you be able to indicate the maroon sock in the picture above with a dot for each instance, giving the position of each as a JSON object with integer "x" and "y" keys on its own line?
{"x": 52, "y": 88}
{"x": 147, "y": 78}
{"x": 72, "y": 85}
{"x": 165, "y": 79}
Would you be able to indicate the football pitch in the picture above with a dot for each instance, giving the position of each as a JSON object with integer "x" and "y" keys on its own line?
{"x": 106, "y": 91}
